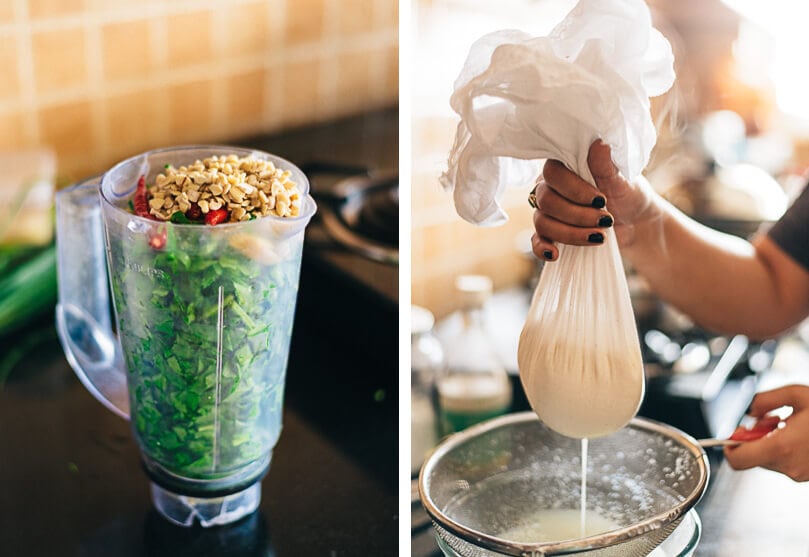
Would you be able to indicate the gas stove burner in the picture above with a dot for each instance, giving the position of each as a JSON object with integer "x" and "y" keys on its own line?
{"x": 361, "y": 213}
{"x": 701, "y": 382}
{"x": 378, "y": 215}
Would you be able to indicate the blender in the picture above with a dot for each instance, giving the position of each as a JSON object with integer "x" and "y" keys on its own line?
{"x": 203, "y": 319}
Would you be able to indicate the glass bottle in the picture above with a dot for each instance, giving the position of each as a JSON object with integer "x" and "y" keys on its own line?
{"x": 475, "y": 386}
{"x": 426, "y": 362}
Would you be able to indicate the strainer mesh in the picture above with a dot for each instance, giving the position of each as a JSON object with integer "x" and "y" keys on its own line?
{"x": 637, "y": 547}
{"x": 496, "y": 476}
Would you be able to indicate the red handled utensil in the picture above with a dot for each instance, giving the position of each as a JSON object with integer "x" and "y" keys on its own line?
{"x": 761, "y": 428}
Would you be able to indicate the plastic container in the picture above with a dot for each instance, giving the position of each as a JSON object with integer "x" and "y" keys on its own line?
{"x": 475, "y": 386}
{"x": 204, "y": 318}
{"x": 426, "y": 362}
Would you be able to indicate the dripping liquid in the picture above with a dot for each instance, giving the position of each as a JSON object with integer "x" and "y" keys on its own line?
{"x": 583, "y": 495}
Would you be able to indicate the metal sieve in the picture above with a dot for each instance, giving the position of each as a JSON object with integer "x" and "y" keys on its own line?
{"x": 487, "y": 479}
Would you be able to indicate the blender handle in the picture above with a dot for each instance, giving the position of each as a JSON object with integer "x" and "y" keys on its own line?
{"x": 83, "y": 317}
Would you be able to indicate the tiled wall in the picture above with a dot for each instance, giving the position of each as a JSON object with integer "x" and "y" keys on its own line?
{"x": 99, "y": 80}
{"x": 445, "y": 246}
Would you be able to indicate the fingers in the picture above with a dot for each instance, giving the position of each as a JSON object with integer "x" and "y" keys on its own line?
{"x": 559, "y": 231}
{"x": 565, "y": 212}
{"x": 753, "y": 453}
{"x": 604, "y": 171}
{"x": 784, "y": 451}
{"x": 558, "y": 207}
{"x": 543, "y": 248}
{"x": 571, "y": 187}
{"x": 569, "y": 209}
{"x": 796, "y": 396}
{"x": 608, "y": 179}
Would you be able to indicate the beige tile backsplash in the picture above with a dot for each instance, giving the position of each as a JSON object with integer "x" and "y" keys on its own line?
{"x": 10, "y": 84}
{"x": 99, "y": 80}
{"x": 44, "y": 9}
{"x": 443, "y": 245}
{"x": 6, "y": 12}
{"x": 124, "y": 40}
{"x": 67, "y": 45}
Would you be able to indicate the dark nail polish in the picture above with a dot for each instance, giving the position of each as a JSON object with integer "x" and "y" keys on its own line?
{"x": 605, "y": 221}
{"x": 548, "y": 254}
{"x": 598, "y": 202}
{"x": 596, "y": 238}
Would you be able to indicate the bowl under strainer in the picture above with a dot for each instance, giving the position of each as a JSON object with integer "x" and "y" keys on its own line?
{"x": 490, "y": 478}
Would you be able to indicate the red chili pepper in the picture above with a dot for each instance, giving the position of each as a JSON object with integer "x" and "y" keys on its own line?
{"x": 215, "y": 217}
{"x": 139, "y": 202}
{"x": 158, "y": 241}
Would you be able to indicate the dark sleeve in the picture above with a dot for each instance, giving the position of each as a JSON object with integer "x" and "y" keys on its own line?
{"x": 791, "y": 232}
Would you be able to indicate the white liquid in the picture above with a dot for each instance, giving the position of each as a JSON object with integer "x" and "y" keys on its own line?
{"x": 583, "y": 495}
{"x": 578, "y": 392}
{"x": 555, "y": 525}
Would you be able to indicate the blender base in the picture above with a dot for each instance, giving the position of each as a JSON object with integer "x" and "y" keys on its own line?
{"x": 184, "y": 510}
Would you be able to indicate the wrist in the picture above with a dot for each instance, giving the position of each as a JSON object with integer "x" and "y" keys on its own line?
{"x": 642, "y": 212}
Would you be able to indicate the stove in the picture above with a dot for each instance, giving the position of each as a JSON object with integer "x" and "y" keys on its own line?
{"x": 701, "y": 382}
{"x": 343, "y": 173}
{"x": 359, "y": 209}
{"x": 350, "y": 257}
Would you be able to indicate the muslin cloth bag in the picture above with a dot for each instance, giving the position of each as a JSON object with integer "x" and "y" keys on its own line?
{"x": 522, "y": 99}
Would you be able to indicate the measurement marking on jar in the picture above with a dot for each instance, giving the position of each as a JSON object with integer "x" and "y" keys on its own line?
{"x": 220, "y": 327}
{"x": 144, "y": 270}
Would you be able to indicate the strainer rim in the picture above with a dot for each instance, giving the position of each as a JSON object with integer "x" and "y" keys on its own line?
{"x": 568, "y": 546}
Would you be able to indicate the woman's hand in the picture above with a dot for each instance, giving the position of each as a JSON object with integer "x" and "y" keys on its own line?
{"x": 571, "y": 211}
{"x": 785, "y": 450}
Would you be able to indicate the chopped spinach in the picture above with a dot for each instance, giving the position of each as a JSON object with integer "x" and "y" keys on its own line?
{"x": 205, "y": 400}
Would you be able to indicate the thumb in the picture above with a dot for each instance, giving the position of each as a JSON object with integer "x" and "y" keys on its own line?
{"x": 796, "y": 396}
{"x": 604, "y": 171}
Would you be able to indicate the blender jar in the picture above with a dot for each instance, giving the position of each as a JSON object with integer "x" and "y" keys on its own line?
{"x": 204, "y": 318}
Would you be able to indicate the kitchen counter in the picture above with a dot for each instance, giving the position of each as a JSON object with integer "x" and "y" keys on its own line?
{"x": 758, "y": 512}
{"x": 73, "y": 483}
{"x": 72, "y": 479}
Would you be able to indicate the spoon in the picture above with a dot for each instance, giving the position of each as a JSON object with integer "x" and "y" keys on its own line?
{"x": 709, "y": 443}
{"x": 743, "y": 434}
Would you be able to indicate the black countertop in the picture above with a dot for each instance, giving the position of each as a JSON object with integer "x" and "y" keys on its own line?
{"x": 72, "y": 479}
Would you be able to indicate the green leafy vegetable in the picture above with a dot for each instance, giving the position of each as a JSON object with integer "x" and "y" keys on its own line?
{"x": 205, "y": 332}
{"x": 180, "y": 218}
{"x": 27, "y": 285}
